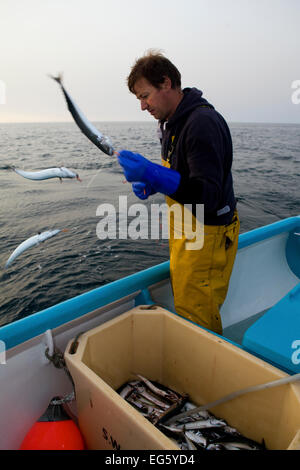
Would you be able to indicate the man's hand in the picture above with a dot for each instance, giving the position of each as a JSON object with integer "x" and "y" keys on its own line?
{"x": 137, "y": 168}
{"x": 133, "y": 164}
{"x": 142, "y": 190}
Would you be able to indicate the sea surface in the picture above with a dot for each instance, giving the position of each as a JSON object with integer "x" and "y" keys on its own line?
{"x": 266, "y": 172}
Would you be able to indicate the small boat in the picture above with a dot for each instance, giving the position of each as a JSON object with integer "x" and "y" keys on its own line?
{"x": 260, "y": 317}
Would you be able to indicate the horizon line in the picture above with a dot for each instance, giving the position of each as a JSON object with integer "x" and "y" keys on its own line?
{"x": 141, "y": 121}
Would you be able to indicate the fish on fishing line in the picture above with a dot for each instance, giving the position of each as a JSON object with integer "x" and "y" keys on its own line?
{"x": 30, "y": 242}
{"x": 46, "y": 174}
{"x": 87, "y": 128}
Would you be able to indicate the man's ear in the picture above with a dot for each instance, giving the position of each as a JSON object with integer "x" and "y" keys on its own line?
{"x": 167, "y": 84}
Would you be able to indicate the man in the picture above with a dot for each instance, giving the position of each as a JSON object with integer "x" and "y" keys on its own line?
{"x": 196, "y": 158}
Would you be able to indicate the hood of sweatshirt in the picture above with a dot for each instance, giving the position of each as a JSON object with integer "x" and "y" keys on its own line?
{"x": 192, "y": 98}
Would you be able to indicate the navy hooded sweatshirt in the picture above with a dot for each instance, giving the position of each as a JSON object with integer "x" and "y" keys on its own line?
{"x": 196, "y": 141}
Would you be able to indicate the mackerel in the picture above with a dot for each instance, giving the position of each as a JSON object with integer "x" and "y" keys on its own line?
{"x": 196, "y": 438}
{"x": 190, "y": 444}
{"x": 94, "y": 135}
{"x": 204, "y": 424}
{"x": 237, "y": 446}
{"x": 142, "y": 391}
{"x": 169, "y": 395}
{"x": 60, "y": 173}
{"x": 125, "y": 392}
{"x": 30, "y": 242}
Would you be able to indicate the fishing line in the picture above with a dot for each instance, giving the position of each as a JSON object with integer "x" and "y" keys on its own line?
{"x": 231, "y": 396}
{"x": 93, "y": 177}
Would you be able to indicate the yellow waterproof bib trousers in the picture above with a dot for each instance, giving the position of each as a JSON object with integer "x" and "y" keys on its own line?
{"x": 200, "y": 277}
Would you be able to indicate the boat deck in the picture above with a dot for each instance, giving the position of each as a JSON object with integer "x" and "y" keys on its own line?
{"x": 236, "y": 332}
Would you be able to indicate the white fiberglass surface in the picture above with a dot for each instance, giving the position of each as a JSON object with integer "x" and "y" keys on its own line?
{"x": 260, "y": 278}
{"x": 29, "y": 381}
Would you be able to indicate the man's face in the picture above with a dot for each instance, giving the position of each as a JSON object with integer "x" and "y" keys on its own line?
{"x": 155, "y": 100}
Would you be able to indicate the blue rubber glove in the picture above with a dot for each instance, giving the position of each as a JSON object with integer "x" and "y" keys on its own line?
{"x": 137, "y": 168}
{"x": 142, "y": 190}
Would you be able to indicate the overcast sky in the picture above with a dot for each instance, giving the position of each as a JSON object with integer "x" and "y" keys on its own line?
{"x": 243, "y": 55}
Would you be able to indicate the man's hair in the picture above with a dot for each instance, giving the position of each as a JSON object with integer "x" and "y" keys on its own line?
{"x": 154, "y": 67}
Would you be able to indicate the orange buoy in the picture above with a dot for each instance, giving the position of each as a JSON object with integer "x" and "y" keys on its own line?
{"x": 54, "y": 430}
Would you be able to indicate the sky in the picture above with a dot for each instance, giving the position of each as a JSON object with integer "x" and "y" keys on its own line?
{"x": 243, "y": 55}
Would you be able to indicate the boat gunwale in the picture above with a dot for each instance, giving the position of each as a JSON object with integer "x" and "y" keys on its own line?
{"x": 52, "y": 317}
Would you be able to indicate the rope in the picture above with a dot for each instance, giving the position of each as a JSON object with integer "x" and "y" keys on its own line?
{"x": 150, "y": 307}
{"x": 65, "y": 399}
{"x": 236, "y": 394}
{"x": 74, "y": 345}
{"x": 57, "y": 357}
{"x": 58, "y": 361}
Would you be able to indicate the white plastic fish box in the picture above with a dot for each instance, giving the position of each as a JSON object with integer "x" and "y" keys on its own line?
{"x": 167, "y": 349}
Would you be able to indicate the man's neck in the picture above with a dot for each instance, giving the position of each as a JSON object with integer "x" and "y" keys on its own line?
{"x": 176, "y": 99}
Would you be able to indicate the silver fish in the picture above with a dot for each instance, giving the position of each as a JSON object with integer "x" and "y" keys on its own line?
{"x": 195, "y": 417}
{"x": 169, "y": 395}
{"x": 151, "y": 406}
{"x": 94, "y": 135}
{"x": 35, "y": 240}
{"x": 203, "y": 414}
{"x": 142, "y": 391}
{"x": 235, "y": 446}
{"x": 183, "y": 445}
{"x": 190, "y": 444}
{"x": 196, "y": 438}
{"x": 230, "y": 430}
{"x": 239, "y": 443}
{"x": 154, "y": 415}
{"x": 244, "y": 445}
{"x": 214, "y": 447}
{"x": 187, "y": 414}
{"x": 173, "y": 429}
{"x": 204, "y": 424}
{"x": 125, "y": 392}
{"x": 140, "y": 406}
{"x": 60, "y": 173}
{"x": 189, "y": 406}
{"x": 201, "y": 429}
{"x": 133, "y": 383}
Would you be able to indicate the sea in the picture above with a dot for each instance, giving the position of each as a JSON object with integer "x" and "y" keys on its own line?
{"x": 266, "y": 173}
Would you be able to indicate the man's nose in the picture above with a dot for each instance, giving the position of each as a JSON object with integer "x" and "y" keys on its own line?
{"x": 144, "y": 105}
